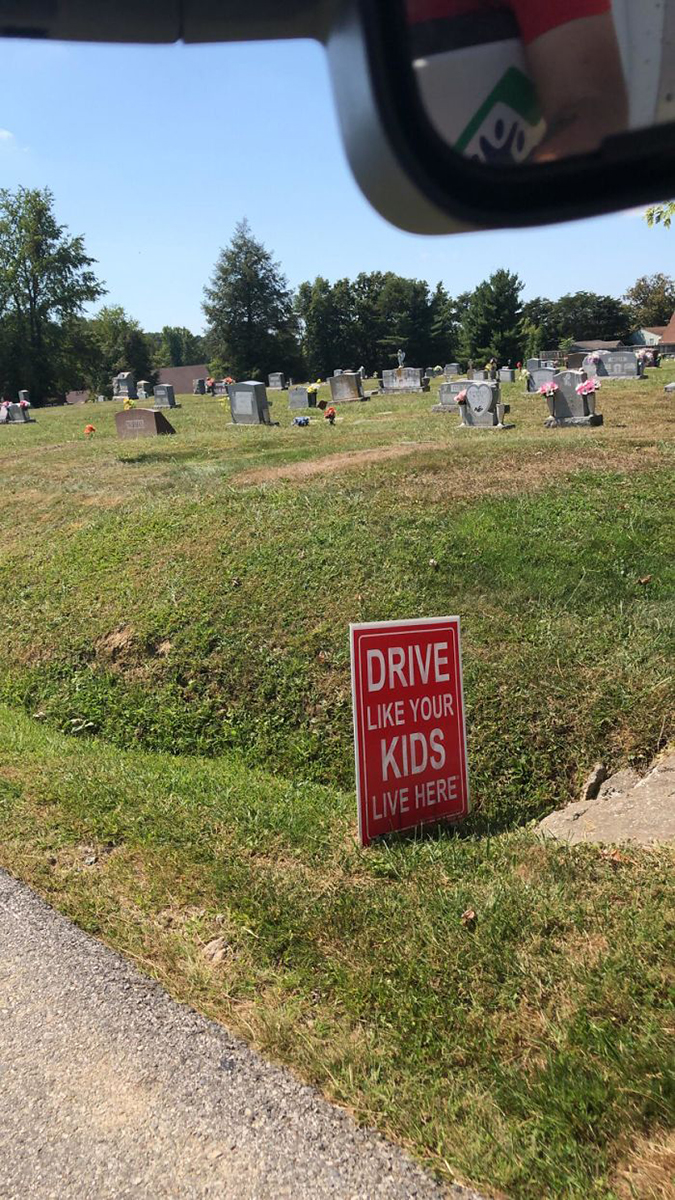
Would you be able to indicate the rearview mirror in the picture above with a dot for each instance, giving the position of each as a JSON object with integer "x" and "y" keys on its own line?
{"x": 510, "y": 113}
{"x": 456, "y": 114}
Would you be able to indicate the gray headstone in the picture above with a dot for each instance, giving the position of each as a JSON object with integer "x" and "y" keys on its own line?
{"x": 404, "y": 379}
{"x": 142, "y": 422}
{"x": 533, "y": 364}
{"x": 124, "y": 386}
{"x": 506, "y": 375}
{"x": 624, "y": 364}
{"x": 480, "y": 410}
{"x": 447, "y": 397}
{"x": 17, "y": 414}
{"x": 541, "y": 375}
{"x": 567, "y": 407}
{"x": 479, "y": 375}
{"x": 198, "y": 387}
{"x": 277, "y": 381}
{"x": 346, "y": 387}
{"x": 24, "y": 395}
{"x": 248, "y": 403}
{"x": 299, "y": 397}
{"x": 594, "y": 368}
{"x": 144, "y": 389}
{"x": 164, "y": 396}
{"x": 451, "y": 369}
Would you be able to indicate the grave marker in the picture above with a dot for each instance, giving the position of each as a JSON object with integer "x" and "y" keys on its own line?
{"x": 483, "y": 408}
{"x": 404, "y": 379}
{"x": 277, "y": 381}
{"x": 248, "y": 403}
{"x": 300, "y": 397}
{"x": 198, "y": 387}
{"x": 141, "y": 422}
{"x": 165, "y": 396}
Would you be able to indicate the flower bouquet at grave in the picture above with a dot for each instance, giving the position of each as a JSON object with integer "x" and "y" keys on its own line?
{"x": 588, "y": 387}
{"x": 89, "y": 430}
{"x": 312, "y": 388}
{"x": 128, "y": 403}
{"x": 23, "y": 404}
{"x": 548, "y": 389}
{"x": 330, "y": 415}
{"x": 461, "y": 397}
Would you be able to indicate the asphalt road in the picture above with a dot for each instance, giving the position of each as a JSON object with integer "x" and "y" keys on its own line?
{"x": 108, "y": 1088}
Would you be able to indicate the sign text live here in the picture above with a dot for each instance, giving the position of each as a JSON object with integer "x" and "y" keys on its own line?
{"x": 409, "y": 736}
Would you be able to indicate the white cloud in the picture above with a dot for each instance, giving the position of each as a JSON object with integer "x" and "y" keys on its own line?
{"x": 6, "y": 136}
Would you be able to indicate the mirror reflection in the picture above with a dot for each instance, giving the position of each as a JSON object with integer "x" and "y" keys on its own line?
{"x": 513, "y": 81}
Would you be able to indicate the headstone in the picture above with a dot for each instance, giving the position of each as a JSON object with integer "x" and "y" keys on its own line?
{"x": 248, "y": 403}
{"x": 142, "y": 422}
{"x": 24, "y": 395}
{"x": 299, "y": 397}
{"x": 346, "y": 387}
{"x": 596, "y": 364}
{"x": 221, "y": 388}
{"x": 404, "y": 379}
{"x": 447, "y": 396}
{"x": 164, "y": 396}
{"x": 483, "y": 408}
{"x": 451, "y": 369}
{"x": 533, "y": 364}
{"x": 429, "y": 373}
{"x": 539, "y": 376}
{"x": 16, "y": 414}
{"x": 507, "y": 375}
{"x": 338, "y": 371}
{"x": 624, "y": 364}
{"x": 124, "y": 386}
{"x": 566, "y": 407}
{"x": 479, "y": 375}
{"x": 198, "y": 387}
{"x": 575, "y": 361}
{"x": 277, "y": 381}
{"x": 144, "y": 388}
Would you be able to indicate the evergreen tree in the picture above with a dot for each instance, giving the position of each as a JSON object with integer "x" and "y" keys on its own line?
{"x": 46, "y": 278}
{"x": 253, "y": 325}
{"x": 178, "y": 347}
{"x": 491, "y": 323}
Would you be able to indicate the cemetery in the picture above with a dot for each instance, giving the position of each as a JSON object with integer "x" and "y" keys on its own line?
{"x": 181, "y": 582}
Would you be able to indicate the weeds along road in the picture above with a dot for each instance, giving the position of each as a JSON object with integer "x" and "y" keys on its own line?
{"x": 108, "y": 1088}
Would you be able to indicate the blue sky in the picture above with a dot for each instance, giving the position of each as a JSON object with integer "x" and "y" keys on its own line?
{"x": 154, "y": 153}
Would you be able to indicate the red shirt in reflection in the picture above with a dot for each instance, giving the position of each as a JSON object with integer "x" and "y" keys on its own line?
{"x": 533, "y": 17}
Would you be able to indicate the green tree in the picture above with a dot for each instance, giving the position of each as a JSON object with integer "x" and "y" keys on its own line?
{"x": 405, "y": 320}
{"x": 586, "y": 316}
{"x": 444, "y": 326}
{"x": 253, "y": 325}
{"x": 119, "y": 344}
{"x": 492, "y": 320}
{"x": 651, "y": 300}
{"x": 46, "y": 278}
{"x": 176, "y": 346}
{"x": 661, "y": 214}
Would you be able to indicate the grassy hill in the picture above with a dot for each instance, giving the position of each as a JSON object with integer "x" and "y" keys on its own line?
{"x": 179, "y": 608}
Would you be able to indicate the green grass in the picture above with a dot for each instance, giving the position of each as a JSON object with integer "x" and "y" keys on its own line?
{"x": 525, "y": 1051}
{"x": 180, "y": 608}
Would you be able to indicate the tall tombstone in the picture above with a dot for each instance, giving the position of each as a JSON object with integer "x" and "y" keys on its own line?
{"x": 165, "y": 396}
{"x": 24, "y": 396}
{"x": 404, "y": 379}
{"x": 533, "y": 364}
{"x": 346, "y": 388}
{"x": 144, "y": 389}
{"x": 124, "y": 386}
{"x": 566, "y": 407}
{"x": 248, "y": 403}
{"x": 142, "y": 422}
{"x": 198, "y": 387}
{"x": 277, "y": 381}
{"x": 483, "y": 408}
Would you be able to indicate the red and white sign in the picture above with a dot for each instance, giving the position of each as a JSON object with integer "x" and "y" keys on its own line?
{"x": 409, "y": 735}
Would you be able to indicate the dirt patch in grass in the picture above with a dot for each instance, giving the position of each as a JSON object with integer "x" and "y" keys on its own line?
{"x": 648, "y": 1173}
{"x": 452, "y": 475}
{"x": 334, "y": 462}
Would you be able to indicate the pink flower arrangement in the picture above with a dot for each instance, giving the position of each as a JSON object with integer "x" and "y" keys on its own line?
{"x": 24, "y": 404}
{"x": 461, "y": 397}
{"x": 588, "y": 387}
{"x": 548, "y": 389}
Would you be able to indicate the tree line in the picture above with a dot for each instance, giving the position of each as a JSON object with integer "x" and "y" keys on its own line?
{"x": 256, "y": 323}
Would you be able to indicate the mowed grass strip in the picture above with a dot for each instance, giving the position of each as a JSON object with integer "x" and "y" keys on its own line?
{"x": 527, "y": 1048}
